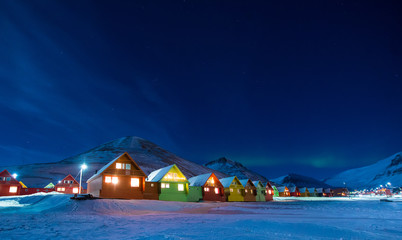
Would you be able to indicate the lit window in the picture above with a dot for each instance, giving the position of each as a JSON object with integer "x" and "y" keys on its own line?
{"x": 13, "y": 189}
{"x": 269, "y": 191}
{"x": 128, "y": 166}
{"x": 231, "y": 190}
{"x": 65, "y": 181}
{"x": 115, "y": 180}
{"x": 135, "y": 182}
{"x": 245, "y": 190}
{"x": 108, "y": 179}
{"x": 212, "y": 181}
{"x": 75, "y": 190}
{"x": 61, "y": 189}
{"x": 216, "y": 190}
{"x": 238, "y": 190}
{"x": 118, "y": 165}
{"x": 251, "y": 191}
{"x": 180, "y": 187}
{"x": 167, "y": 185}
{"x": 206, "y": 189}
{"x": 152, "y": 185}
{"x": 163, "y": 185}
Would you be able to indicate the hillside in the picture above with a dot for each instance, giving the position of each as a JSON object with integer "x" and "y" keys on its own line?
{"x": 233, "y": 168}
{"x": 148, "y": 155}
{"x": 380, "y": 173}
{"x": 292, "y": 180}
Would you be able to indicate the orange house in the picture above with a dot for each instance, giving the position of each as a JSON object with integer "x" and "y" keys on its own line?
{"x": 9, "y": 186}
{"x": 120, "y": 178}
{"x": 68, "y": 185}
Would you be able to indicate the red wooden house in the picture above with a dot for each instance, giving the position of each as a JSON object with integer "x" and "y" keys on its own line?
{"x": 328, "y": 192}
{"x": 120, "y": 178}
{"x": 9, "y": 186}
{"x": 211, "y": 188}
{"x": 68, "y": 185}
{"x": 294, "y": 192}
{"x": 269, "y": 192}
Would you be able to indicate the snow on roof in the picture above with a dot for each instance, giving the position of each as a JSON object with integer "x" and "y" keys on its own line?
{"x": 319, "y": 190}
{"x": 243, "y": 182}
{"x": 292, "y": 189}
{"x": 281, "y": 189}
{"x": 311, "y": 189}
{"x": 157, "y": 175}
{"x": 256, "y": 183}
{"x": 104, "y": 168}
{"x": 302, "y": 190}
{"x": 200, "y": 180}
{"x": 327, "y": 190}
{"x": 227, "y": 181}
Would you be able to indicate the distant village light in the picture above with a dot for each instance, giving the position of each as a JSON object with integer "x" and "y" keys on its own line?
{"x": 83, "y": 167}
{"x": 15, "y": 175}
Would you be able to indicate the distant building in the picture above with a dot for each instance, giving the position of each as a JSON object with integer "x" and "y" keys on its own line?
{"x": 312, "y": 192}
{"x": 261, "y": 191}
{"x": 319, "y": 192}
{"x": 328, "y": 192}
{"x": 9, "y": 186}
{"x": 206, "y": 187}
{"x": 270, "y": 192}
{"x": 341, "y": 192}
{"x": 68, "y": 185}
{"x": 168, "y": 184}
{"x": 294, "y": 191}
{"x": 250, "y": 191}
{"x": 304, "y": 192}
{"x": 283, "y": 192}
{"x": 233, "y": 189}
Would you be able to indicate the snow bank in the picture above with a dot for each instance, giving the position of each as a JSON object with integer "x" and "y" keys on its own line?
{"x": 11, "y": 203}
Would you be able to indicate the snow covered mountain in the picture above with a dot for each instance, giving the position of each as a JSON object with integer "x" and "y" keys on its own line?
{"x": 292, "y": 180}
{"x": 233, "y": 168}
{"x": 380, "y": 173}
{"x": 148, "y": 155}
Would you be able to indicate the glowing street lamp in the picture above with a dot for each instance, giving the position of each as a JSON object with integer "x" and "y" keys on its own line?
{"x": 15, "y": 175}
{"x": 83, "y": 167}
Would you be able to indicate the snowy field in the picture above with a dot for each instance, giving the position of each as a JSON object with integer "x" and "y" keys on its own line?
{"x": 55, "y": 216}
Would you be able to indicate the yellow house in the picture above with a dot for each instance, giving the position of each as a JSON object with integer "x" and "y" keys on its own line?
{"x": 233, "y": 189}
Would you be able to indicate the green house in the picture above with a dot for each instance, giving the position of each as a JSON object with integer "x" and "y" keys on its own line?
{"x": 233, "y": 189}
{"x": 260, "y": 189}
{"x": 276, "y": 192}
{"x": 172, "y": 184}
{"x": 50, "y": 185}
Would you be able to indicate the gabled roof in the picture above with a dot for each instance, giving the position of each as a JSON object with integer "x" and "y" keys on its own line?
{"x": 23, "y": 185}
{"x": 226, "y": 182}
{"x": 110, "y": 163}
{"x": 200, "y": 180}
{"x": 245, "y": 181}
{"x": 319, "y": 190}
{"x": 311, "y": 189}
{"x": 6, "y": 173}
{"x": 293, "y": 189}
{"x": 281, "y": 189}
{"x": 268, "y": 185}
{"x": 327, "y": 190}
{"x": 303, "y": 190}
{"x": 157, "y": 175}
{"x": 50, "y": 185}
{"x": 258, "y": 183}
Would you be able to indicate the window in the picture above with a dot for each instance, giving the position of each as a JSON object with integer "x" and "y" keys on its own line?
{"x": 245, "y": 190}
{"x": 135, "y": 182}
{"x": 108, "y": 179}
{"x": 167, "y": 185}
{"x": 180, "y": 187}
{"x": 206, "y": 189}
{"x": 61, "y": 189}
{"x": 13, "y": 189}
{"x": 8, "y": 179}
{"x": 251, "y": 191}
{"x": 152, "y": 185}
{"x": 75, "y": 190}
{"x": 163, "y": 185}
{"x": 118, "y": 165}
{"x": 128, "y": 166}
{"x": 115, "y": 180}
{"x": 238, "y": 190}
{"x": 269, "y": 191}
{"x": 231, "y": 190}
{"x": 212, "y": 181}
{"x": 216, "y": 190}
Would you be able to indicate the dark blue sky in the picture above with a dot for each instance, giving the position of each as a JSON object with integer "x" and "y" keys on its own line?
{"x": 311, "y": 88}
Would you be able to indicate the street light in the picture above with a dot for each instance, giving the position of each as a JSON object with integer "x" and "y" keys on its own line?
{"x": 83, "y": 167}
{"x": 15, "y": 175}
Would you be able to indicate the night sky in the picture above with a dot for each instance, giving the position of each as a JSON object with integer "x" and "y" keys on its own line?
{"x": 309, "y": 87}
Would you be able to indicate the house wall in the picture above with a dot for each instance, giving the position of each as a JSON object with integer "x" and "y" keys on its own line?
{"x": 212, "y": 196}
{"x": 123, "y": 188}
{"x": 94, "y": 186}
{"x": 5, "y": 189}
{"x": 249, "y": 194}
{"x": 172, "y": 193}
{"x": 151, "y": 191}
{"x": 276, "y": 192}
{"x": 236, "y": 195}
{"x": 269, "y": 196}
{"x": 28, "y": 191}
{"x": 260, "y": 197}
{"x": 194, "y": 194}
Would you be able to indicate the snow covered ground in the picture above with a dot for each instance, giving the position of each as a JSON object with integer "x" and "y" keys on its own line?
{"x": 55, "y": 216}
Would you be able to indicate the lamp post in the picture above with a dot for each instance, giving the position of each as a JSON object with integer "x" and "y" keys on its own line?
{"x": 15, "y": 175}
{"x": 83, "y": 167}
